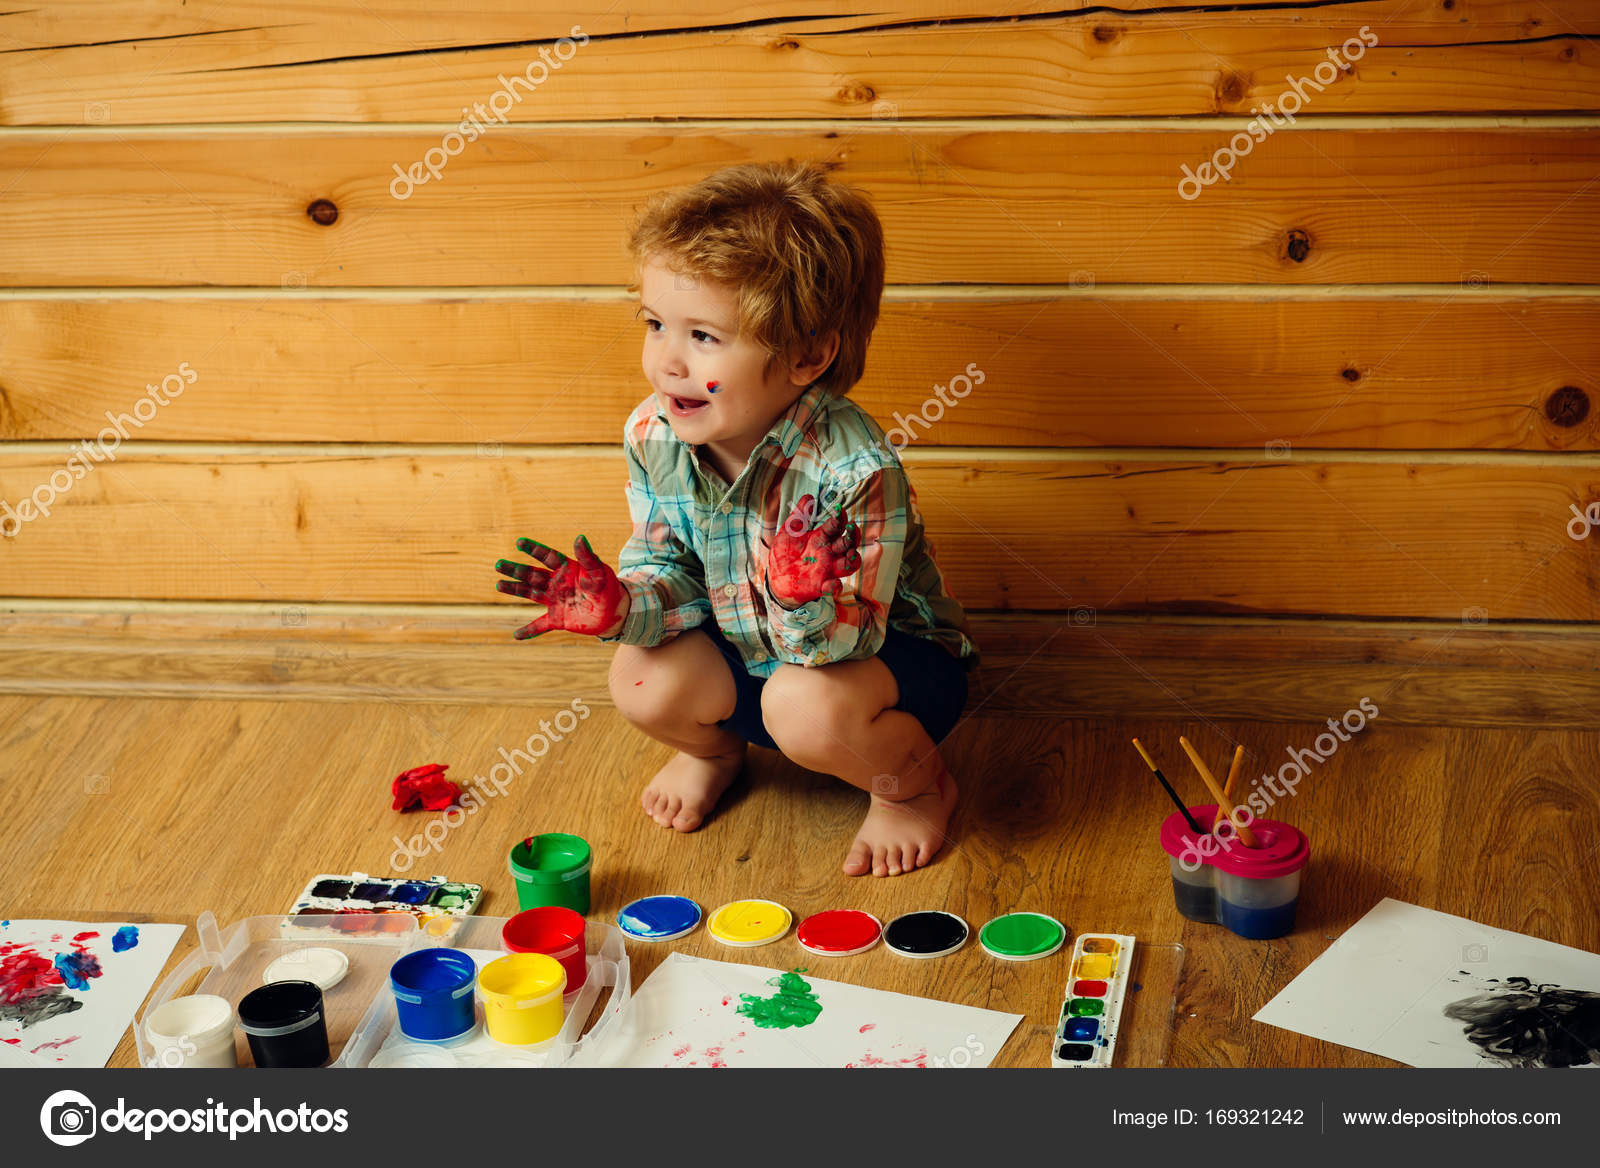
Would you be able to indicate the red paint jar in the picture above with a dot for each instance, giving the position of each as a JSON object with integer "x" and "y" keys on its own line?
{"x": 555, "y": 931}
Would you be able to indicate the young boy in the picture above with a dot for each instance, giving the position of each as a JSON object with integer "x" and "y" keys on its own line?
{"x": 778, "y": 587}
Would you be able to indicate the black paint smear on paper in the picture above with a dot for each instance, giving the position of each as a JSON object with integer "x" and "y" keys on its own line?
{"x": 1523, "y": 1024}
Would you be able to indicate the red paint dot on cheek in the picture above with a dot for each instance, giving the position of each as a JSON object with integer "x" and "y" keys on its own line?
{"x": 711, "y": 386}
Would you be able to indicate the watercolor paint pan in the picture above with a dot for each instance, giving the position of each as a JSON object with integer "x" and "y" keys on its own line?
{"x": 359, "y": 903}
{"x": 1091, "y": 1011}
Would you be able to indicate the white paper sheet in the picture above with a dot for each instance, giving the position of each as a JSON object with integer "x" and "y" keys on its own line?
{"x": 1387, "y": 984}
{"x": 43, "y": 1015}
{"x": 688, "y": 1014}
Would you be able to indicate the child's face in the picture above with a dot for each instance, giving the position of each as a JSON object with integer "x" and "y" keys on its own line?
{"x": 691, "y": 345}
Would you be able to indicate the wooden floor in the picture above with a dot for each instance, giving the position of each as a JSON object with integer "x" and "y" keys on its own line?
{"x": 173, "y": 806}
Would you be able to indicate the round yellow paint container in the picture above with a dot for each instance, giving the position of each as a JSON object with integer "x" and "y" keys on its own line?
{"x": 521, "y": 996}
{"x": 745, "y": 923}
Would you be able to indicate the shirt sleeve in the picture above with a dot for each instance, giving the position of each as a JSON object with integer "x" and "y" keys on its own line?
{"x": 664, "y": 579}
{"x": 851, "y": 625}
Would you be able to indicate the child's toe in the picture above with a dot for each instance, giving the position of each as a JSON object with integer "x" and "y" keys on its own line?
{"x": 880, "y": 861}
{"x": 687, "y": 820}
{"x": 859, "y": 861}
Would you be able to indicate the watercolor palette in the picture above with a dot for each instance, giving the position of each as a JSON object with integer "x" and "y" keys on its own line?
{"x": 358, "y": 903}
{"x": 1086, "y": 1030}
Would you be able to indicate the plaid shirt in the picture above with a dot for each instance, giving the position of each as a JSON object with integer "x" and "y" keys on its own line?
{"x": 699, "y": 545}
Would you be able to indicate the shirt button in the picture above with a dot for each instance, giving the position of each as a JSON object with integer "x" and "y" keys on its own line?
{"x": 758, "y": 657}
{"x": 726, "y": 508}
{"x": 730, "y": 590}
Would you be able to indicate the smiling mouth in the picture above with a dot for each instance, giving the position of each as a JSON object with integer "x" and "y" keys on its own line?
{"x": 687, "y": 405}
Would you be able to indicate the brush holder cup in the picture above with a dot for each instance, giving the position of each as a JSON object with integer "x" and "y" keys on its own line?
{"x": 1216, "y": 880}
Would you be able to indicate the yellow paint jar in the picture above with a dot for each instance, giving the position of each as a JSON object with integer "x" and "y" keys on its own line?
{"x": 521, "y": 995}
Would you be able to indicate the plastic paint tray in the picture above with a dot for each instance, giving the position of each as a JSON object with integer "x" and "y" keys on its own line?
{"x": 1145, "y": 1016}
{"x": 236, "y": 958}
{"x": 378, "y": 1042}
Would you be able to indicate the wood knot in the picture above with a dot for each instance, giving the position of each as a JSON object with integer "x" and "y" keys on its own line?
{"x": 1105, "y": 33}
{"x": 323, "y": 212}
{"x": 1449, "y": 4}
{"x": 857, "y": 93}
{"x": 1567, "y": 406}
{"x": 1351, "y": 374}
{"x": 1567, "y": 53}
{"x": 1231, "y": 89}
{"x": 1297, "y": 245}
{"x": 785, "y": 43}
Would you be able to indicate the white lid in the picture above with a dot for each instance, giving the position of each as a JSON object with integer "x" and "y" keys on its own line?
{"x": 966, "y": 932}
{"x": 841, "y": 952}
{"x": 323, "y": 967}
{"x": 785, "y": 918}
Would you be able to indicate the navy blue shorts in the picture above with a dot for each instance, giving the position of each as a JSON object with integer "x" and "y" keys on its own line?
{"x": 932, "y": 682}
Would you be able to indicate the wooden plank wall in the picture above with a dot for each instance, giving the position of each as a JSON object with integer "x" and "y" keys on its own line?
{"x": 1353, "y": 382}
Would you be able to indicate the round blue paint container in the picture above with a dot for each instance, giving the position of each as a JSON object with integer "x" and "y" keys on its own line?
{"x": 433, "y": 993}
{"x": 658, "y": 918}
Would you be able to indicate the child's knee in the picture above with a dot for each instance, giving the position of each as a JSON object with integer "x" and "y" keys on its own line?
{"x": 648, "y": 686}
{"x": 807, "y": 718}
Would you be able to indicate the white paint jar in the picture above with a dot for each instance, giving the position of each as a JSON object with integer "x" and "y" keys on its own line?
{"x": 193, "y": 1031}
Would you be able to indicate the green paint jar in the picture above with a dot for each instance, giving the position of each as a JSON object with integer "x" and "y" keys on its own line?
{"x": 552, "y": 869}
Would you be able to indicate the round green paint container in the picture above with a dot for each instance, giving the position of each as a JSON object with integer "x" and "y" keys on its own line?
{"x": 1022, "y": 936}
{"x": 552, "y": 869}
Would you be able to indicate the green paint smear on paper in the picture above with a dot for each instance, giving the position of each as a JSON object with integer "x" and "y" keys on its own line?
{"x": 793, "y": 1005}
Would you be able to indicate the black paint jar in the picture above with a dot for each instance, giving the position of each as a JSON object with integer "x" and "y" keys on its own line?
{"x": 284, "y": 1023}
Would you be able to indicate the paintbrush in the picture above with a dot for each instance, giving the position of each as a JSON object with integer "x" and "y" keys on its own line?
{"x": 1227, "y": 787}
{"x": 1182, "y": 806}
{"x": 1246, "y": 837}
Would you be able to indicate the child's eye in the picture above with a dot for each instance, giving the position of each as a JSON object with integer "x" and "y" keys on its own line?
{"x": 701, "y": 333}
{"x": 651, "y": 325}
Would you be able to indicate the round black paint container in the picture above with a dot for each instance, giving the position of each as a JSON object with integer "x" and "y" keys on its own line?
{"x": 926, "y": 934}
{"x": 284, "y": 1023}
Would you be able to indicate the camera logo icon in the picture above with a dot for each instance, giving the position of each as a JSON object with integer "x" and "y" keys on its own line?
{"x": 68, "y": 1118}
{"x": 1474, "y": 954}
{"x": 885, "y": 784}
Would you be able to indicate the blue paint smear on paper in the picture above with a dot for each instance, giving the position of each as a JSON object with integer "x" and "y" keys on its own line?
{"x": 77, "y": 968}
{"x": 124, "y": 938}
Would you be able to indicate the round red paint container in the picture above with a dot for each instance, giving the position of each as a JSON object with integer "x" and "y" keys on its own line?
{"x": 555, "y": 931}
{"x": 839, "y": 932}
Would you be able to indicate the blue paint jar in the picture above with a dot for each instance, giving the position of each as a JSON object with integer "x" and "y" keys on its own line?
{"x": 433, "y": 993}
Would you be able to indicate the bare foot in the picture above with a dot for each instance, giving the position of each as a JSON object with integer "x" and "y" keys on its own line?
{"x": 899, "y": 837}
{"x": 685, "y": 790}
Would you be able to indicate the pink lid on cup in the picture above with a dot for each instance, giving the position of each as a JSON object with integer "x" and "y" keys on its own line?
{"x": 1284, "y": 848}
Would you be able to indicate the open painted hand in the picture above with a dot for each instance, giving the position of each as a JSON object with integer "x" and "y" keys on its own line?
{"x": 806, "y": 562}
{"x": 581, "y": 595}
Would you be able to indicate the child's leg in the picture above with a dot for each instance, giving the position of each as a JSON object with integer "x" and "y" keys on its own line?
{"x": 676, "y": 693}
{"x": 839, "y": 719}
